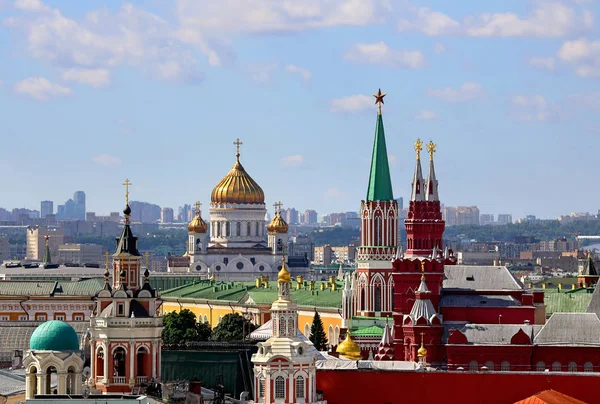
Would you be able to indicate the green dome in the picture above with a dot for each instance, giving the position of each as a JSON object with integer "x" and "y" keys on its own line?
{"x": 54, "y": 335}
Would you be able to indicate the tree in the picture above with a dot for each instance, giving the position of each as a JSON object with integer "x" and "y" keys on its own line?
{"x": 182, "y": 327}
{"x": 317, "y": 333}
{"x": 232, "y": 327}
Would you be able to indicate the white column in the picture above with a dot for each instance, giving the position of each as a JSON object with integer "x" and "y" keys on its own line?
{"x": 77, "y": 383}
{"x": 93, "y": 359}
{"x": 62, "y": 383}
{"x": 105, "y": 360}
{"x": 154, "y": 353}
{"x": 41, "y": 384}
{"x": 131, "y": 362}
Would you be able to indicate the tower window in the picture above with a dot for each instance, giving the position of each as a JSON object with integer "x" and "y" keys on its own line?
{"x": 120, "y": 309}
{"x": 299, "y": 387}
{"x": 261, "y": 387}
{"x": 279, "y": 387}
{"x": 248, "y": 229}
{"x": 377, "y": 231}
{"x": 238, "y": 229}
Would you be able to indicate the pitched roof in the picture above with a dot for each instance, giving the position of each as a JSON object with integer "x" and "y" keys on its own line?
{"x": 589, "y": 267}
{"x": 371, "y": 331}
{"x": 570, "y": 329}
{"x": 565, "y": 302}
{"x": 478, "y": 301}
{"x": 594, "y": 305}
{"x": 550, "y": 397}
{"x": 467, "y": 277}
{"x": 380, "y": 182}
{"x": 127, "y": 243}
{"x": 490, "y": 334}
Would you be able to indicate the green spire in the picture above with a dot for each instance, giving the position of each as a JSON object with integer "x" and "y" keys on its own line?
{"x": 47, "y": 260}
{"x": 380, "y": 182}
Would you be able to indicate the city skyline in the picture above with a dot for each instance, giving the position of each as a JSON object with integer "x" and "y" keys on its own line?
{"x": 508, "y": 91}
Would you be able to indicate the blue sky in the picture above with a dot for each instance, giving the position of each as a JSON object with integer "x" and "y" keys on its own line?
{"x": 93, "y": 92}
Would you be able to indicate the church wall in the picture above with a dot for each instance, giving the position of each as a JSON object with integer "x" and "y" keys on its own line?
{"x": 490, "y": 315}
{"x": 470, "y": 387}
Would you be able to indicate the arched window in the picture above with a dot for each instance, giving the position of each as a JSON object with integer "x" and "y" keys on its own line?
{"x": 261, "y": 387}
{"x": 362, "y": 299}
{"x": 473, "y": 366}
{"x": 205, "y": 319}
{"x": 219, "y": 320}
{"x": 228, "y": 229}
{"x": 330, "y": 333}
{"x": 291, "y": 328}
{"x": 238, "y": 229}
{"x": 378, "y": 297}
{"x": 218, "y": 229}
{"x": 299, "y": 387}
{"x": 248, "y": 229}
{"x": 392, "y": 300}
{"x": 257, "y": 229}
{"x": 377, "y": 231}
{"x": 556, "y": 367}
{"x": 588, "y": 367}
{"x": 279, "y": 387}
{"x": 540, "y": 367}
{"x": 505, "y": 366}
{"x": 282, "y": 326}
{"x": 572, "y": 367}
{"x": 489, "y": 365}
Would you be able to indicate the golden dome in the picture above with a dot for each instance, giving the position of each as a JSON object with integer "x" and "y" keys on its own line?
{"x": 277, "y": 224}
{"x": 237, "y": 187}
{"x": 284, "y": 275}
{"x": 349, "y": 349}
{"x": 422, "y": 352}
{"x": 197, "y": 225}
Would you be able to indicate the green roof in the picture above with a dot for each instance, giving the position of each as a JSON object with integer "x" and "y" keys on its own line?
{"x": 371, "y": 331}
{"x": 54, "y": 335}
{"x": 564, "y": 302}
{"x": 87, "y": 287}
{"x": 380, "y": 182}
{"x": 248, "y": 292}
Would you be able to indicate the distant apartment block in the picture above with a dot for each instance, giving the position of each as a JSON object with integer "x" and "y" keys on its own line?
{"x": 310, "y": 217}
{"x": 290, "y": 215}
{"x": 486, "y": 218}
{"x": 4, "y": 248}
{"x": 301, "y": 246}
{"x": 504, "y": 218}
{"x": 577, "y": 217}
{"x": 167, "y": 215}
{"x": 80, "y": 254}
{"x": 326, "y": 254}
{"x": 36, "y": 242}
{"x": 461, "y": 215}
{"x": 144, "y": 212}
{"x": 46, "y": 208}
{"x": 112, "y": 217}
{"x": 73, "y": 209}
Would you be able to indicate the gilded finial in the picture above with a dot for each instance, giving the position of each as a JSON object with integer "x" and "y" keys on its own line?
{"x": 422, "y": 270}
{"x": 237, "y": 144}
{"x": 379, "y": 100}
{"x": 147, "y": 255}
{"x": 198, "y": 206}
{"x": 418, "y": 148}
{"x": 106, "y": 260}
{"x": 127, "y": 183}
{"x": 431, "y": 149}
{"x": 47, "y": 238}
{"x": 277, "y": 206}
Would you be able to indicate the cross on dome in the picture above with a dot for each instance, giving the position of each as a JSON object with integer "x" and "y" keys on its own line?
{"x": 198, "y": 206}
{"x": 127, "y": 183}
{"x": 277, "y": 206}
{"x": 237, "y": 144}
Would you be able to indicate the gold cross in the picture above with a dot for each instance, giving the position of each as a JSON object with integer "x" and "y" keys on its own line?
{"x": 278, "y": 206}
{"x": 147, "y": 255}
{"x": 237, "y": 144}
{"x": 431, "y": 148}
{"x": 198, "y": 206}
{"x": 127, "y": 183}
{"x": 106, "y": 255}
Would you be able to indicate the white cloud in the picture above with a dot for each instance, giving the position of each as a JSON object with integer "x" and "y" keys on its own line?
{"x": 268, "y": 16}
{"x": 583, "y": 55}
{"x": 534, "y": 108}
{"x": 426, "y": 115}
{"x": 40, "y": 88}
{"x": 106, "y": 160}
{"x": 549, "y": 19}
{"x": 334, "y": 193}
{"x": 261, "y": 73}
{"x": 33, "y": 6}
{"x": 542, "y": 63}
{"x": 465, "y": 92}
{"x": 352, "y": 103}
{"x": 300, "y": 71}
{"x": 92, "y": 77}
{"x": 379, "y": 53}
{"x": 292, "y": 161}
{"x": 104, "y": 39}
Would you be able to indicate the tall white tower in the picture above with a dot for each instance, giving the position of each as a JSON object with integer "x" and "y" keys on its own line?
{"x": 197, "y": 238}
{"x": 277, "y": 229}
{"x": 284, "y": 366}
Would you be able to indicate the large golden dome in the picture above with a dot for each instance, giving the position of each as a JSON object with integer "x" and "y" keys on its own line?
{"x": 277, "y": 224}
{"x": 349, "y": 349}
{"x": 237, "y": 187}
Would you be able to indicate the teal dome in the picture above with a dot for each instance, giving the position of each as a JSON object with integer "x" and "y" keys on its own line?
{"x": 54, "y": 335}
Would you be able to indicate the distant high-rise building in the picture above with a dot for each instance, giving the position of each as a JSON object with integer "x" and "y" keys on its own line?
{"x": 46, "y": 208}
{"x": 186, "y": 214}
{"x": 79, "y": 205}
{"x": 290, "y": 215}
{"x": 166, "y": 215}
{"x": 400, "y": 201}
{"x": 486, "y": 218}
{"x": 144, "y": 212}
{"x": 504, "y": 218}
{"x": 36, "y": 242}
{"x": 310, "y": 217}
{"x": 461, "y": 215}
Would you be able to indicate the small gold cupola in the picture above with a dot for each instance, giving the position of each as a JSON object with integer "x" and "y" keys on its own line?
{"x": 277, "y": 224}
{"x": 197, "y": 225}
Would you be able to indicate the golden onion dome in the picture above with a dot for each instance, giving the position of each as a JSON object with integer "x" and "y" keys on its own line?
{"x": 237, "y": 187}
{"x": 422, "y": 352}
{"x": 197, "y": 225}
{"x": 277, "y": 224}
{"x": 349, "y": 349}
{"x": 284, "y": 275}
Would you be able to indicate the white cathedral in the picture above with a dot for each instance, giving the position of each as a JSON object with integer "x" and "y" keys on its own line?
{"x": 238, "y": 248}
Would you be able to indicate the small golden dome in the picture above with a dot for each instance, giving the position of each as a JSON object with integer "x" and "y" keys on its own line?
{"x": 197, "y": 225}
{"x": 284, "y": 275}
{"x": 277, "y": 224}
{"x": 237, "y": 187}
{"x": 349, "y": 349}
{"x": 422, "y": 352}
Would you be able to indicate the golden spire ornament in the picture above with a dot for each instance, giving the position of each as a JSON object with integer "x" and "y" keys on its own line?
{"x": 418, "y": 148}
{"x": 422, "y": 270}
{"x": 127, "y": 183}
{"x": 431, "y": 149}
{"x": 237, "y": 144}
{"x": 379, "y": 100}
{"x": 198, "y": 206}
{"x": 277, "y": 206}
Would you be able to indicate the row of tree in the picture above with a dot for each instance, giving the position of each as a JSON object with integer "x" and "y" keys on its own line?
{"x": 182, "y": 328}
